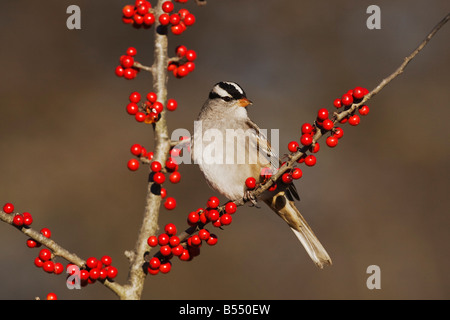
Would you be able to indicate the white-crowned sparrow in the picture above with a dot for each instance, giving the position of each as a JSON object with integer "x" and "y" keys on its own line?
{"x": 223, "y": 114}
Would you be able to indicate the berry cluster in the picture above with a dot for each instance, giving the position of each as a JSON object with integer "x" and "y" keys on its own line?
{"x": 171, "y": 245}
{"x": 179, "y": 21}
{"x": 96, "y": 269}
{"x": 150, "y": 110}
{"x": 125, "y": 68}
{"x": 139, "y": 15}
{"x": 183, "y": 64}
{"x": 352, "y": 96}
{"x": 325, "y": 124}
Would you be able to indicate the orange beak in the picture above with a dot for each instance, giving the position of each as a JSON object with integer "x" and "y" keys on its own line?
{"x": 244, "y": 102}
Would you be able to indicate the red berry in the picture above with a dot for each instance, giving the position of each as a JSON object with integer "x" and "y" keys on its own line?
{"x": 286, "y": 178}
{"x": 167, "y": 6}
{"x": 175, "y": 177}
{"x": 327, "y": 124}
{"x": 174, "y": 241}
{"x": 165, "y": 267}
{"x": 94, "y": 273}
{"x": 48, "y": 266}
{"x": 293, "y": 146}
{"x": 213, "y": 202}
{"x": 170, "y": 203}
{"x": 136, "y": 149}
{"x": 128, "y": 11}
{"x": 152, "y": 241}
{"x": 135, "y": 97}
{"x": 127, "y": 62}
{"x": 46, "y": 232}
{"x": 91, "y": 262}
{"x": 18, "y": 220}
{"x": 171, "y": 164}
{"x": 58, "y": 268}
{"x": 212, "y": 239}
{"x": 165, "y": 250}
{"x": 152, "y": 97}
{"x": 31, "y": 243}
{"x": 332, "y": 141}
{"x": 230, "y": 207}
{"x": 297, "y": 173}
{"x": 204, "y": 234}
{"x": 164, "y": 19}
{"x": 154, "y": 263}
{"x": 106, "y": 260}
{"x": 193, "y": 218}
{"x": 347, "y": 99}
{"x": 149, "y": 19}
{"x": 174, "y": 19}
{"x": 310, "y": 160}
{"x": 322, "y": 114}
{"x": 142, "y": 9}
{"x": 354, "y": 120}
{"x": 153, "y": 271}
{"x": 132, "y": 108}
{"x": 8, "y": 208}
{"x": 315, "y": 148}
{"x": 185, "y": 256}
{"x": 181, "y": 51}
{"x": 190, "y": 66}
{"x": 171, "y": 105}
{"x": 170, "y": 229}
{"x": 250, "y": 182}
{"x": 52, "y": 296}
{"x": 133, "y": 164}
{"x": 226, "y": 219}
{"x": 338, "y": 132}
{"x": 195, "y": 240}
{"x": 155, "y": 166}
{"x": 112, "y": 272}
{"x": 177, "y": 29}
{"x": 38, "y": 262}
{"x": 177, "y": 250}
{"x": 358, "y": 93}
{"x": 189, "y": 19}
{"x": 163, "y": 239}
{"x": 45, "y": 254}
{"x": 131, "y": 51}
{"x": 191, "y": 55}
{"x": 307, "y": 128}
{"x": 213, "y": 214}
{"x": 140, "y": 116}
{"x": 364, "y": 110}
{"x": 159, "y": 178}
{"x": 306, "y": 139}
{"x": 182, "y": 71}
{"x": 27, "y": 219}
{"x": 337, "y": 103}
{"x": 129, "y": 73}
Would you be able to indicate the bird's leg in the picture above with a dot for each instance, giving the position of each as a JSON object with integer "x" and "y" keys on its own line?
{"x": 248, "y": 196}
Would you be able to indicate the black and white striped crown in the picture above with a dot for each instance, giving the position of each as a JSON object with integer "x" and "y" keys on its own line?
{"x": 227, "y": 91}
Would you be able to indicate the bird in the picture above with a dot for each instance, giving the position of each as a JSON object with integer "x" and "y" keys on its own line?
{"x": 219, "y": 157}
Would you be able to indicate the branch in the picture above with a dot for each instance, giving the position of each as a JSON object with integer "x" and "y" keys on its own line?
{"x": 149, "y": 225}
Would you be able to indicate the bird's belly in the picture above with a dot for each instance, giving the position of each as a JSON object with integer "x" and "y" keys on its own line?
{"x": 227, "y": 179}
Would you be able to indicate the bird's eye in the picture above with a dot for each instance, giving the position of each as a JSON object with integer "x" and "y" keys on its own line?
{"x": 227, "y": 99}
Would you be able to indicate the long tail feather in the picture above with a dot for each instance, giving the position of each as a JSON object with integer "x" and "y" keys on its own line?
{"x": 288, "y": 212}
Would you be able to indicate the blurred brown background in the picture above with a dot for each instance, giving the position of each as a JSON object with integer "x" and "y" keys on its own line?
{"x": 381, "y": 197}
